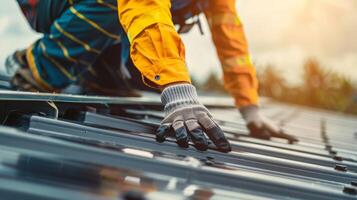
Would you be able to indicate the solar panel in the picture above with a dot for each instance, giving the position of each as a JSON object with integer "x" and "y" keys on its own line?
{"x": 56, "y": 146}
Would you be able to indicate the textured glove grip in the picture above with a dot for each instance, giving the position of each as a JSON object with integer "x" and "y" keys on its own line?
{"x": 176, "y": 96}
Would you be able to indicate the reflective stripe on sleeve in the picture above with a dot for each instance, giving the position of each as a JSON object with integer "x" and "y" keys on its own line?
{"x": 32, "y": 64}
{"x": 237, "y": 61}
{"x": 224, "y": 18}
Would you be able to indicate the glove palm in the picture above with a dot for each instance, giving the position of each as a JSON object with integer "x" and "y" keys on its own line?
{"x": 189, "y": 120}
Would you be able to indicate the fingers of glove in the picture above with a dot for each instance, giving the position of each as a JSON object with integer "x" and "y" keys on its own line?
{"x": 196, "y": 134}
{"x": 215, "y": 133}
{"x": 270, "y": 126}
{"x": 162, "y": 132}
{"x": 258, "y": 131}
{"x": 180, "y": 133}
{"x": 276, "y": 131}
{"x": 284, "y": 135}
{"x": 292, "y": 139}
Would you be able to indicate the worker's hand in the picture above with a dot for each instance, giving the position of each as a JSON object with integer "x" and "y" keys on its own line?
{"x": 189, "y": 120}
{"x": 261, "y": 127}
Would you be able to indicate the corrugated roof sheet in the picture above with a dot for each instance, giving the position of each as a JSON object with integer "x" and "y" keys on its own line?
{"x": 80, "y": 147}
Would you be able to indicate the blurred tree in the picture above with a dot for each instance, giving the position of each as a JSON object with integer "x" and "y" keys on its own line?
{"x": 315, "y": 82}
{"x": 326, "y": 89}
{"x": 272, "y": 83}
{"x": 321, "y": 88}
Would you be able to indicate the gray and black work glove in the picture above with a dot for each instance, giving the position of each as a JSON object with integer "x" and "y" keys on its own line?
{"x": 189, "y": 120}
{"x": 18, "y": 74}
{"x": 261, "y": 127}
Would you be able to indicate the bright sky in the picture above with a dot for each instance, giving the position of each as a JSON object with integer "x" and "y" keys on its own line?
{"x": 287, "y": 32}
{"x": 280, "y": 32}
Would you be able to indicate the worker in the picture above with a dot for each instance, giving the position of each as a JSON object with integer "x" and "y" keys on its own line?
{"x": 78, "y": 34}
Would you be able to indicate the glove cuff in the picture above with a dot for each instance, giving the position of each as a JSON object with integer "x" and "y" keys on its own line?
{"x": 249, "y": 113}
{"x": 179, "y": 95}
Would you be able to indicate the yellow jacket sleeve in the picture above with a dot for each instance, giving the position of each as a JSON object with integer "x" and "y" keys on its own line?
{"x": 156, "y": 48}
{"x": 232, "y": 48}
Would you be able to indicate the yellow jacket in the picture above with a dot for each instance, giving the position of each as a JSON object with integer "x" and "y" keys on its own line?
{"x": 159, "y": 53}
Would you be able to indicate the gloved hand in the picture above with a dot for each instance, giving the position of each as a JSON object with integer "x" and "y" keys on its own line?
{"x": 189, "y": 119}
{"x": 261, "y": 127}
{"x": 17, "y": 73}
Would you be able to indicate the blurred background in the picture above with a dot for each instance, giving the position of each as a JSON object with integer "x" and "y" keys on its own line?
{"x": 305, "y": 51}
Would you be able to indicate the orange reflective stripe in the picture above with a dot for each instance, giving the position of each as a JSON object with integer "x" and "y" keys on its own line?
{"x": 32, "y": 64}
{"x": 224, "y": 18}
{"x": 107, "y": 4}
{"x": 232, "y": 48}
{"x": 76, "y": 40}
{"x": 94, "y": 24}
{"x": 237, "y": 61}
{"x": 56, "y": 63}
